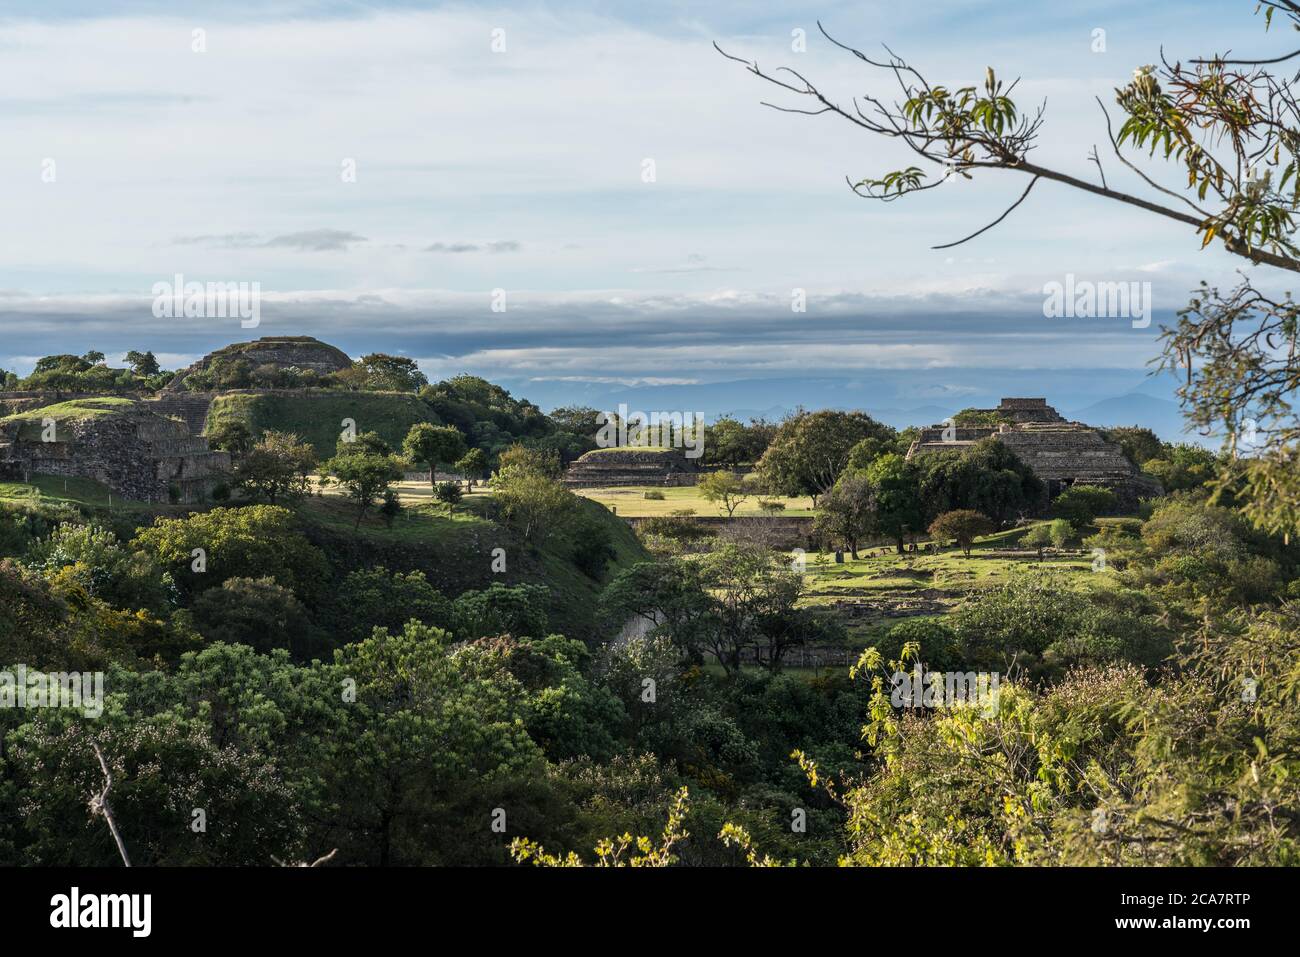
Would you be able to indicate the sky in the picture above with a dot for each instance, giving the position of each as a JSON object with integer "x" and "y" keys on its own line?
{"x": 386, "y": 172}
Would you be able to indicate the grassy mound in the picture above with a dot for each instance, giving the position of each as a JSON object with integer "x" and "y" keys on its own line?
{"x": 317, "y": 417}
{"x": 74, "y": 409}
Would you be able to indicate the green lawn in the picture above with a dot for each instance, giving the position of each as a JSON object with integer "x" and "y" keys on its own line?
{"x": 56, "y": 488}
{"x": 876, "y": 591}
{"x": 630, "y": 502}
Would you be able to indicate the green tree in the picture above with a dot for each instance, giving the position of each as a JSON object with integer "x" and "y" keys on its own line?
{"x": 364, "y": 477}
{"x": 848, "y": 512}
{"x": 1081, "y": 504}
{"x": 896, "y": 488}
{"x": 1139, "y": 444}
{"x": 531, "y": 502}
{"x": 434, "y": 445}
{"x": 231, "y": 435}
{"x": 277, "y": 467}
{"x": 255, "y": 612}
{"x": 379, "y": 372}
{"x": 1062, "y": 532}
{"x": 725, "y": 487}
{"x": 961, "y": 525}
{"x": 143, "y": 364}
{"x": 473, "y": 465}
{"x": 811, "y": 449}
{"x": 254, "y": 541}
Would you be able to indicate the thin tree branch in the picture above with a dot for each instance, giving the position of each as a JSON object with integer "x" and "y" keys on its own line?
{"x": 995, "y": 222}
{"x": 99, "y": 804}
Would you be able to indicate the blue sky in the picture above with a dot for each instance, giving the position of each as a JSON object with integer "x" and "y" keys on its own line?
{"x": 522, "y": 170}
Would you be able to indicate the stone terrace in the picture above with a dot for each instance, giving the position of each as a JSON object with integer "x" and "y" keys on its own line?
{"x": 137, "y": 454}
{"x": 631, "y": 466}
{"x": 1060, "y": 453}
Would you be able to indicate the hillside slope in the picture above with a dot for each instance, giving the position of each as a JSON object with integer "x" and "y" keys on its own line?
{"x": 317, "y": 417}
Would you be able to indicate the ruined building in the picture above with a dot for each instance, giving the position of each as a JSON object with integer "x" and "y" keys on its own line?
{"x": 136, "y": 453}
{"x": 1060, "y": 453}
{"x": 631, "y": 466}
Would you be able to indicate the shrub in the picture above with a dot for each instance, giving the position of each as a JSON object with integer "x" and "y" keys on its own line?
{"x": 1080, "y": 504}
{"x": 448, "y": 493}
{"x": 1061, "y": 533}
{"x": 655, "y": 495}
{"x": 1037, "y": 537}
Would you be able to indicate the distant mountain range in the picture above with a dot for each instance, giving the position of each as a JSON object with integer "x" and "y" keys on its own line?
{"x": 900, "y": 398}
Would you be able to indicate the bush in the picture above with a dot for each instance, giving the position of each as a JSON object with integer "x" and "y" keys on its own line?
{"x": 938, "y": 643}
{"x": 677, "y": 527}
{"x": 770, "y": 505}
{"x": 1061, "y": 532}
{"x": 1037, "y": 537}
{"x": 1080, "y": 504}
{"x": 448, "y": 493}
{"x": 654, "y": 495}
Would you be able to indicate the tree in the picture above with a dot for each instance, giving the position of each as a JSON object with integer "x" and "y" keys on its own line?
{"x": 730, "y": 443}
{"x": 1139, "y": 444}
{"x": 1037, "y": 538}
{"x": 579, "y": 419}
{"x": 1181, "y": 467}
{"x": 473, "y": 464}
{"x": 252, "y": 541}
{"x": 365, "y": 477}
{"x": 523, "y": 458}
{"x": 278, "y": 466}
{"x": 374, "y": 597}
{"x": 231, "y": 435}
{"x": 988, "y": 477}
{"x": 863, "y": 455}
{"x": 1061, "y": 532}
{"x": 518, "y": 610}
{"x": 1232, "y": 129}
{"x": 143, "y": 364}
{"x": 961, "y": 525}
{"x": 434, "y": 445}
{"x": 255, "y": 612}
{"x": 896, "y": 489}
{"x": 1080, "y": 504}
{"x": 848, "y": 512}
{"x": 379, "y": 372}
{"x": 811, "y": 449}
{"x": 725, "y": 487}
{"x": 531, "y": 501}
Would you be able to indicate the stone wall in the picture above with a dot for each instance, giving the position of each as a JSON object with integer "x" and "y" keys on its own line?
{"x": 609, "y": 467}
{"x": 137, "y": 454}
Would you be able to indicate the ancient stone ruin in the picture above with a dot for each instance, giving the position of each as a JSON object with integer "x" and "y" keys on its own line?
{"x": 136, "y": 453}
{"x": 1060, "y": 453}
{"x": 631, "y": 466}
{"x": 304, "y": 353}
